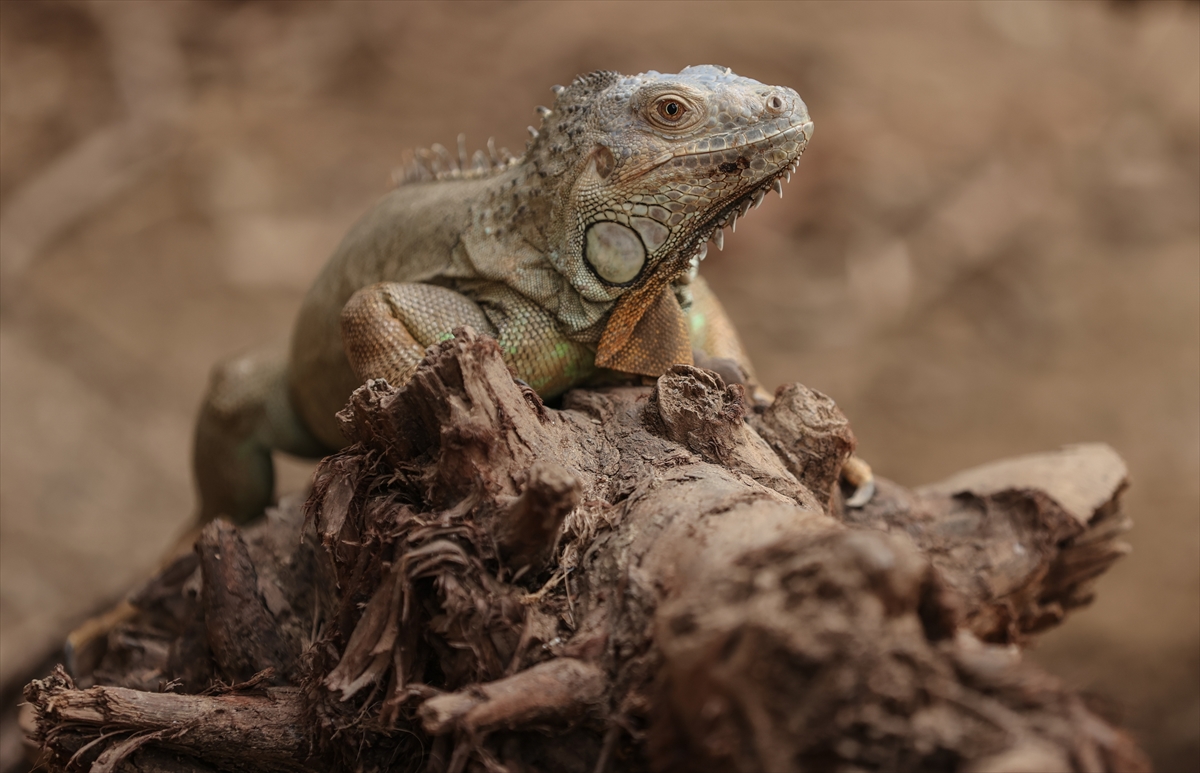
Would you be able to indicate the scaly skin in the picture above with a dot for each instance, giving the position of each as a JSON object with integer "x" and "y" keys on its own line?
{"x": 580, "y": 257}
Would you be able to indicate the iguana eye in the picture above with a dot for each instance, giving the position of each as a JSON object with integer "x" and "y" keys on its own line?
{"x": 671, "y": 110}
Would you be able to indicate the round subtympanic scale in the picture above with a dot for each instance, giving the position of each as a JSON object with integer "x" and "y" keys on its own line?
{"x": 653, "y": 233}
{"x": 615, "y": 252}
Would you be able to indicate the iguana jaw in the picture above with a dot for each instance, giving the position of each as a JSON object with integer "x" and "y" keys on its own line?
{"x": 726, "y": 216}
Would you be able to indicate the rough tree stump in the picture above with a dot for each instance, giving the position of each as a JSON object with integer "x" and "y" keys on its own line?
{"x": 650, "y": 578}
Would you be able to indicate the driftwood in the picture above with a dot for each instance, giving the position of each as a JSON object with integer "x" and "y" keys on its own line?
{"x": 649, "y": 578}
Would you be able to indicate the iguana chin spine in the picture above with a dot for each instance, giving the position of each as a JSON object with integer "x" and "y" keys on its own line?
{"x": 579, "y": 256}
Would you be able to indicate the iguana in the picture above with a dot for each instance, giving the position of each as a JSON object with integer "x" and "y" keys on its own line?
{"x": 580, "y": 257}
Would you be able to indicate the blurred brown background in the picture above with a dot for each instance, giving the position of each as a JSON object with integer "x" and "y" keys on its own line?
{"x": 992, "y": 248}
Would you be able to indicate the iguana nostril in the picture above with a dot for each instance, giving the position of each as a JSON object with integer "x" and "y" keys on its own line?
{"x": 775, "y": 103}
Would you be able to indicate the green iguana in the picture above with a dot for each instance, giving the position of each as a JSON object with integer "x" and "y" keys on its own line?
{"x": 580, "y": 257}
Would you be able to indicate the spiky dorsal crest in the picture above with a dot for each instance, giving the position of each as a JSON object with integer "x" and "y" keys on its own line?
{"x": 560, "y": 122}
{"x": 581, "y": 93}
{"x": 596, "y": 80}
{"x": 438, "y": 163}
{"x": 555, "y": 146}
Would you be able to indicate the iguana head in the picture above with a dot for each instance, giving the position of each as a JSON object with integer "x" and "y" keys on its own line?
{"x": 648, "y": 169}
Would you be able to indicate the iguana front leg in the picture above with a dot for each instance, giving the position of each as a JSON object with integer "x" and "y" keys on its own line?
{"x": 387, "y": 326}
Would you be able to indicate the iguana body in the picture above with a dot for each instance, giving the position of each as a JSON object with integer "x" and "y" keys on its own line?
{"x": 580, "y": 256}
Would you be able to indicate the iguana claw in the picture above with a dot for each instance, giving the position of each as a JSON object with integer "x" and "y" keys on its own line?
{"x": 857, "y": 474}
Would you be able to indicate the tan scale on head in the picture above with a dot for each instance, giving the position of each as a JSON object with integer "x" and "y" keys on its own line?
{"x": 655, "y": 166}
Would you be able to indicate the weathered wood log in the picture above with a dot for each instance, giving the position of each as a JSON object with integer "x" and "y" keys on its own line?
{"x": 647, "y": 578}
{"x": 527, "y": 531}
{"x": 242, "y": 634}
{"x": 260, "y": 731}
{"x": 1022, "y": 540}
{"x": 552, "y": 691}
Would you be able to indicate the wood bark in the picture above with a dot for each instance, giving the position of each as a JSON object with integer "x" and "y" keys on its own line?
{"x": 645, "y": 578}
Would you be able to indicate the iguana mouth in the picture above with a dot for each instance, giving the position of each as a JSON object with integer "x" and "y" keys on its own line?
{"x": 727, "y": 217}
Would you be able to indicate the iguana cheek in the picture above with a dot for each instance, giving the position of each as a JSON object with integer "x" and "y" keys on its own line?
{"x": 615, "y": 252}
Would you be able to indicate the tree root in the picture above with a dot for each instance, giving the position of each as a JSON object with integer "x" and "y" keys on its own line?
{"x": 645, "y": 579}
